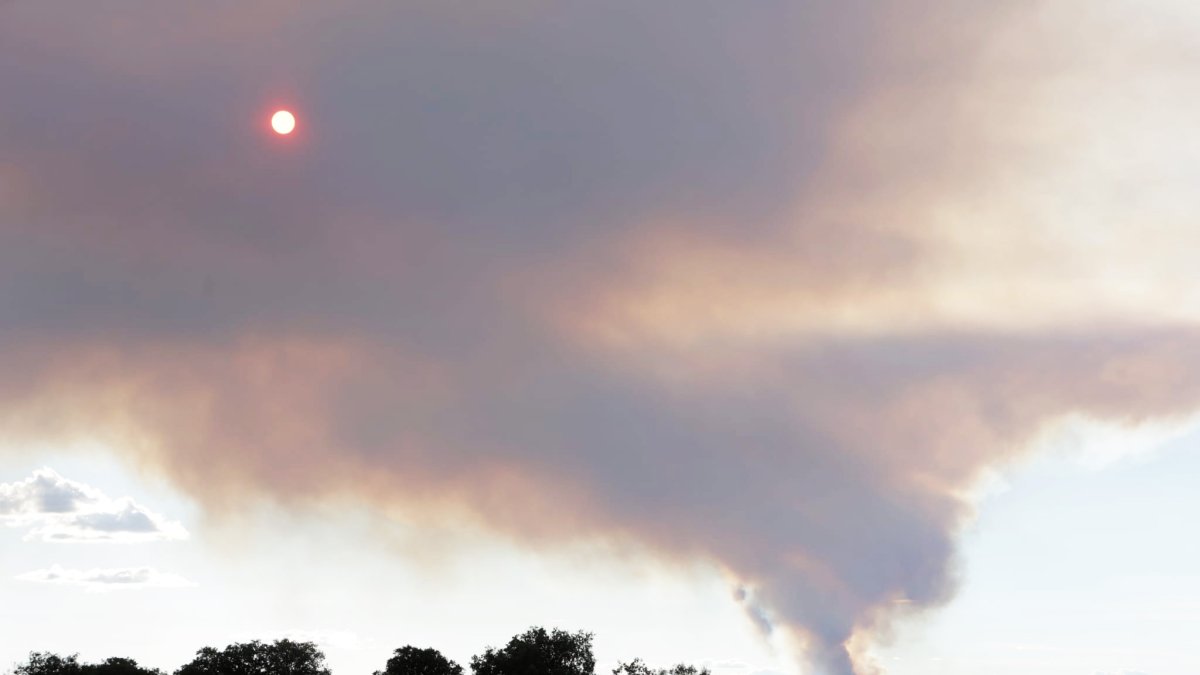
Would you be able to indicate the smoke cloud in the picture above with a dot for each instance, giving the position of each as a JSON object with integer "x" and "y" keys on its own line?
{"x": 769, "y": 284}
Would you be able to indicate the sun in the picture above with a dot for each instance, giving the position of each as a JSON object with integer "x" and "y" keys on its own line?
{"x": 283, "y": 122}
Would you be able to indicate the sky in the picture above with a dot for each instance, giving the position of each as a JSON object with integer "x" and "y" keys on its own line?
{"x": 785, "y": 337}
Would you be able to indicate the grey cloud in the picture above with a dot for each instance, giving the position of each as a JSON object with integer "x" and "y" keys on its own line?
{"x": 128, "y": 519}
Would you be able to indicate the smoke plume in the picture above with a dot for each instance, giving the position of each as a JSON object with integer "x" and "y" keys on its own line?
{"x": 765, "y": 284}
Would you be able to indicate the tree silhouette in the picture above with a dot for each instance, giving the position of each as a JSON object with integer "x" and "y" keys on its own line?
{"x": 282, "y": 657}
{"x": 46, "y": 663}
{"x": 118, "y": 666}
{"x": 539, "y": 652}
{"x": 411, "y": 660}
{"x": 639, "y": 667}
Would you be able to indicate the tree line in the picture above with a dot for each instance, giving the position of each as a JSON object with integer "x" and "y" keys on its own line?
{"x": 537, "y": 651}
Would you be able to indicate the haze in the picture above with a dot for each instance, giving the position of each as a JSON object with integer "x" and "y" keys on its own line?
{"x": 792, "y": 337}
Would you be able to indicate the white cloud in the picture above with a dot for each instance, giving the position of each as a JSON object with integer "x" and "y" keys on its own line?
{"x": 97, "y": 580}
{"x": 45, "y": 494}
{"x": 57, "y": 509}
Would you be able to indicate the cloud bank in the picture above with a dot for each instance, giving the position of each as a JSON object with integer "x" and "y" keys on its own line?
{"x": 56, "y": 509}
{"x": 770, "y": 284}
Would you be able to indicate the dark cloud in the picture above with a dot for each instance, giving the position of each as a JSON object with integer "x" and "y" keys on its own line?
{"x": 670, "y": 273}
